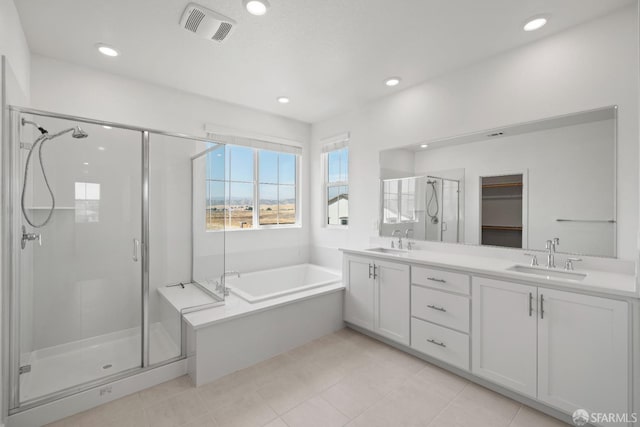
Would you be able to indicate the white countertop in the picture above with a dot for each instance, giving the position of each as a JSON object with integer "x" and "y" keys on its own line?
{"x": 235, "y": 306}
{"x": 600, "y": 282}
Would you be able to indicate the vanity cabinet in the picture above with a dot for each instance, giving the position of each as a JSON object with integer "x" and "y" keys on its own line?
{"x": 565, "y": 349}
{"x": 504, "y": 324}
{"x": 440, "y": 315}
{"x": 377, "y": 296}
{"x": 583, "y": 352}
{"x": 359, "y": 295}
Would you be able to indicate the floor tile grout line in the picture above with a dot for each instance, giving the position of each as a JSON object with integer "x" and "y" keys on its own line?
{"x": 516, "y": 415}
{"x": 448, "y": 404}
{"x": 384, "y": 396}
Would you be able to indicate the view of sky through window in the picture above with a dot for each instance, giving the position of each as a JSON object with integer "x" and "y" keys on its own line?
{"x": 233, "y": 172}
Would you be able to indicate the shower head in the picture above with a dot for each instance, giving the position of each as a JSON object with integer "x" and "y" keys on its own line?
{"x": 78, "y": 133}
{"x": 34, "y": 124}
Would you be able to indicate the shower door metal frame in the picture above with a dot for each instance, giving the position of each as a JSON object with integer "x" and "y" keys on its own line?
{"x": 11, "y": 219}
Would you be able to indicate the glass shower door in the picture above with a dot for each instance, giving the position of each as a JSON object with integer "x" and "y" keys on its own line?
{"x": 80, "y": 275}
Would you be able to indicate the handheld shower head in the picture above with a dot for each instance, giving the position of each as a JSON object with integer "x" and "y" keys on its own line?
{"x": 78, "y": 133}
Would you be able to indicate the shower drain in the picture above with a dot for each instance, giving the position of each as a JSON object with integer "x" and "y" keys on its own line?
{"x": 107, "y": 366}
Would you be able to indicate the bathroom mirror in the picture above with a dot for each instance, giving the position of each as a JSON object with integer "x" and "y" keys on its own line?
{"x": 517, "y": 186}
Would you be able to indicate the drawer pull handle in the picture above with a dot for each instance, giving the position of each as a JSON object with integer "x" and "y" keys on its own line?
{"x": 435, "y": 307}
{"x": 433, "y": 279}
{"x": 441, "y": 344}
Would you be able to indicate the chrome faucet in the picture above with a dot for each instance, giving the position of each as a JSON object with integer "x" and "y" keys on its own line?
{"x": 551, "y": 255}
{"x": 221, "y": 286}
{"x": 406, "y": 237}
{"x": 568, "y": 265}
{"x": 399, "y": 233}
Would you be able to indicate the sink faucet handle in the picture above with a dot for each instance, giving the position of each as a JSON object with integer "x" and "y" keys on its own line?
{"x": 556, "y": 242}
{"x": 568, "y": 265}
{"x": 534, "y": 259}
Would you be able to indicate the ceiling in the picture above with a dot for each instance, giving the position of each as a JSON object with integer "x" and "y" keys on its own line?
{"x": 328, "y": 56}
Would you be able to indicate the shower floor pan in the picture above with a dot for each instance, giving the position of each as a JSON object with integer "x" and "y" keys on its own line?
{"x": 57, "y": 368}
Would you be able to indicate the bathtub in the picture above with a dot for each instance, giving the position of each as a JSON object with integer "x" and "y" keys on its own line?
{"x": 274, "y": 283}
{"x": 268, "y": 312}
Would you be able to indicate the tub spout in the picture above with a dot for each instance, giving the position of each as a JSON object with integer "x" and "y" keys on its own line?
{"x": 222, "y": 287}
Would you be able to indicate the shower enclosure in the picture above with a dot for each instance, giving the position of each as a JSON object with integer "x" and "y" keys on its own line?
{"x": 442, "y": 212}
{"x": 81, "y": 300}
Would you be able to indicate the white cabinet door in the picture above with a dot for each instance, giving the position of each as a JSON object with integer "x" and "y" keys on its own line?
{"x": 359, "y": 295}
{"x": 583, "y": 352}
{"x": 392, "y": 303}
{"x": 504, "y": 334}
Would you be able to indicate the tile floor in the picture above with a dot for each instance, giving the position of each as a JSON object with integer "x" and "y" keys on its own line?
{"x": 342, "y": 379}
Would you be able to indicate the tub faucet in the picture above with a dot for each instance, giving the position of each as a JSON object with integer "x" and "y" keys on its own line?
{"x": 399, "y": 233}
{"x": 551, "y": 255}
{"x": 222, "y": 287}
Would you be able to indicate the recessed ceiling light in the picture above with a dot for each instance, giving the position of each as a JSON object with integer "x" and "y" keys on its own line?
{"x": 392, "y": 81}
{"x": 107, "y": 50}
{"x": 424, "y": 145}
{"x": 535, "y": 23}
{"x": 107, "y": 127}
{"x": 101, "y": 148}
{"x": 256, "y": 7}
{"x": 283, "y": 100}
{"x": 86, "y": 163}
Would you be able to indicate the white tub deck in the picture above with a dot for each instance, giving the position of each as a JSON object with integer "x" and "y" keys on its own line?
{"x": 238, "y": 334}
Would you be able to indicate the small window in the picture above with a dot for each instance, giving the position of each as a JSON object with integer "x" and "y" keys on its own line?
{"x": 87, "y": 201}
{"x": 277, "y": 188}
{"x": 337, "y": 186}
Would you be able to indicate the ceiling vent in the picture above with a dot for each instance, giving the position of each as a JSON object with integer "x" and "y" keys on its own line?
{"x": 206, "y": 23}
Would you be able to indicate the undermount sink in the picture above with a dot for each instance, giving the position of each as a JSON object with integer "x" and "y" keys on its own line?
{"x": 548, "y": 273}
{"x": 390, "y": 251}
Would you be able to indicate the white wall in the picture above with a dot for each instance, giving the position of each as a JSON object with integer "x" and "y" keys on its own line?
{"x": 586, "y": 67}
{"x": 13, "y": 44}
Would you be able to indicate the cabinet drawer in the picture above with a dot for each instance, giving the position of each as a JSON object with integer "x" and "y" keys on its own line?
{"x": 440, "y": 307}
{"x": 437, "y": 341}
{"x": 440, "y": 279}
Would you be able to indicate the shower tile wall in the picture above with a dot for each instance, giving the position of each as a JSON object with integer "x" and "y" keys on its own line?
{"x": 84, "y": 265}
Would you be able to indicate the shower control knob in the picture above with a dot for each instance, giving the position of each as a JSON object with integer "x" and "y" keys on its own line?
{"x": 29, "y": 237}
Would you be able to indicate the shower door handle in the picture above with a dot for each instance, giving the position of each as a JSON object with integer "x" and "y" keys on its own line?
{"x": 136, "y": 248}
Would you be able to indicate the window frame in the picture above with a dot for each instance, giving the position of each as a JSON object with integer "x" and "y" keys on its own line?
{"x": 326, "y": 184}
{"x": 256, "y": 192}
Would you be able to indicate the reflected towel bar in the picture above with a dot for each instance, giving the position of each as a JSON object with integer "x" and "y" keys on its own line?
{"x": 610, "y": 221}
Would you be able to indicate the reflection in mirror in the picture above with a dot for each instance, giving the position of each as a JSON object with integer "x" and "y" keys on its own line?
{"x": 516, "y": 186}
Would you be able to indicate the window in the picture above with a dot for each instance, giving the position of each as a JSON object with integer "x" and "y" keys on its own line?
{"x": 337, "y": 186}
{"x": 277, "y": 188}
{"x": 250, "y": 188}
{"x": 87, "y": 201}
{"x": 399, "y": 200}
